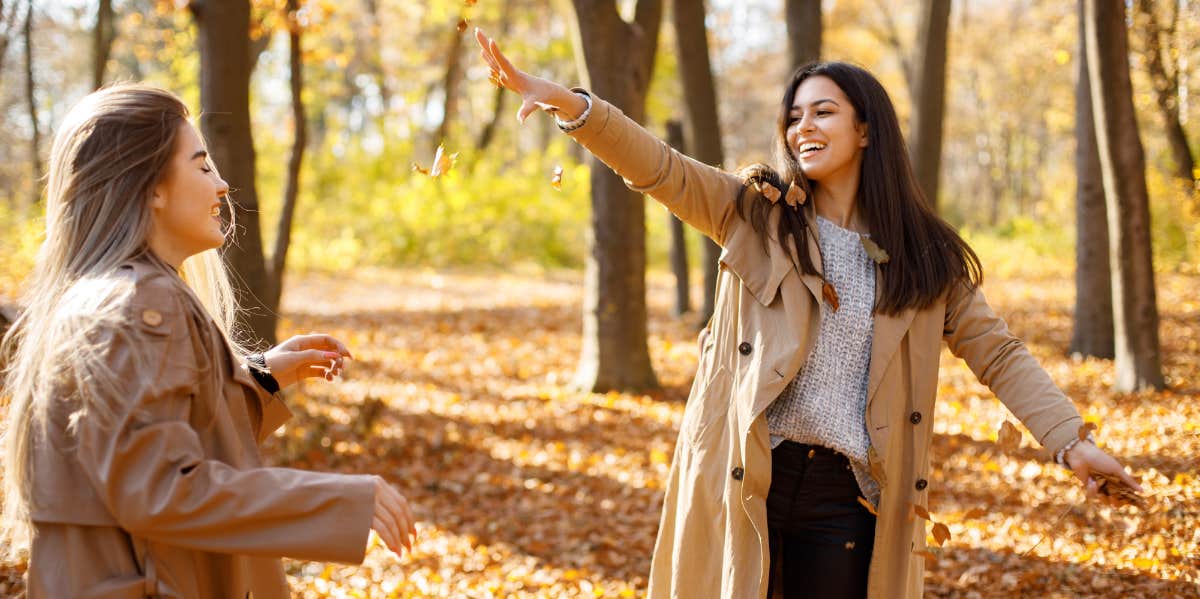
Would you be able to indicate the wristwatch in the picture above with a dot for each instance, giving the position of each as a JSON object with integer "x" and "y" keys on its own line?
{"x": 262, "y": 374}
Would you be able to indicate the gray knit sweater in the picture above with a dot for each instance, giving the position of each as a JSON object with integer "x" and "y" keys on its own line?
{"x": 825, "y": 404}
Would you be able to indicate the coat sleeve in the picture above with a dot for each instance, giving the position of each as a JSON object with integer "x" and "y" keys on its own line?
{"x": 700, "y": 195}
{"x": 1002, "y": 362}
{"x": 148, "y": 466}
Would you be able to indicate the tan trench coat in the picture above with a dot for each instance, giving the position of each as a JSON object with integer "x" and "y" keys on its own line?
{"x": 712, "y": 540}
{"x": 169, "y": 497}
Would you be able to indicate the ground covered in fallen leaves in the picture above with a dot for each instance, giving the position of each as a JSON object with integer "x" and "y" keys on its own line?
{"x": 461, "y": 395}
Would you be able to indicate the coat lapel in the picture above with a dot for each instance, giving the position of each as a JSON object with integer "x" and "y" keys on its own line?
{"x": 889, "y": 330}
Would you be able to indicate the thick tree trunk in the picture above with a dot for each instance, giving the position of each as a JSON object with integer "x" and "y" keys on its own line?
{"x": 617, "y": 60}
{"x": 803, "y": 31}
{"x": 679, "y": 257}
{"x": 102, "y": 41}
{"x": 925, "y": 146}
{"x": 703, "y": 129}
{"x": 1166, "y": 92}
{"x": 35, "y": 140}
{"x": 1093, "y": 324}
{"x": 1135, "y": 319}
{"x": 223, "y": 28}
{"x": 283, "y": 230}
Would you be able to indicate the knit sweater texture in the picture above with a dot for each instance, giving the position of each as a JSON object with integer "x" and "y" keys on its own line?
{"x": 825, "y": 404}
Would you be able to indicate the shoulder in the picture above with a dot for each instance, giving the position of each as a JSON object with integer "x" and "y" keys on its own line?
{"x": 139, "y": 295}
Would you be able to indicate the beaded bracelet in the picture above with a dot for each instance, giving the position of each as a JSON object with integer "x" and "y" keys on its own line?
{"x": 1060, "y": 457}
{"x": 569, "y": 126}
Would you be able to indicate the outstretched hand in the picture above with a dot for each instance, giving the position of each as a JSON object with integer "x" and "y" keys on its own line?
{"x": 536, "y": 93}
{"x": 1095, "y": 468}
{"x": 305, "y": 356}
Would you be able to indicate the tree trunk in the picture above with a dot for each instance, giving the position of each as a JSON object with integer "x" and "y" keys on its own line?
{"x": 8, "y": 25}
{"x": 450, "y": 85}
{"x": 223, "y": 31}
{"x": 1166, "y": 90}
{"x": 488, "y": 133}
{"x": 1135, "y": 318}
{"x": 618, "y": 58}
{"x": 803, "y": 31}
{"x": 930, "y": 95}
{"x": 1093, "y": 324}
{"x": 102, "y": 41}
{"x": 283, "y": 230}
{"x": 679, "y": 257}
{"x": 35, "y": 141}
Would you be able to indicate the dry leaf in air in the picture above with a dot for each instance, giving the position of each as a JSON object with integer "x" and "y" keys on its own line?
{"x": 941, "y": 533}
{"x": 556, "y": 179}
{"x": 867, "y": 504}
{"x": 1086, "y": 429}
{"x": 1009, "y": 438}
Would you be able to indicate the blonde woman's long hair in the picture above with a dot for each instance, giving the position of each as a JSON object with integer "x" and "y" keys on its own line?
{"x": 108, "y": 155}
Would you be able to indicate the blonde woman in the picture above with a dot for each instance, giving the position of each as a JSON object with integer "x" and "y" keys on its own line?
{"x": 131, "y": 466}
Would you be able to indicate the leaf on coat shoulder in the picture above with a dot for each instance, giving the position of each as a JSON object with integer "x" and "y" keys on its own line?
{"x": 1009, "y": 438}
{"x": 830, "y": 295}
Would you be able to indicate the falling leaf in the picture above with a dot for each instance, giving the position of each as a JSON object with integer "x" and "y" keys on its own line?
{"x": 494, "y": 77}
{"x": 462, "y": 25}
{"x": 470, "y": 2}
{"x": 849, "y": 544}
{"x": 1009, "y": 438}
{"x": 419, "y": 169}
{"x": 941, "y": 533}
{"x": 442, "y": 162}
{"x": 867, "y": 504}
{"x": 795, "y": 195}
{"x": 830, "y": 295}
{"x": 921, "y": 512}
{"x": 1086, "y": 429}
{"x": 876, "y": 253}
{"x": 975, "y": 513}
{"x": 925, "y": 553}
{"x": 556, "y": 179}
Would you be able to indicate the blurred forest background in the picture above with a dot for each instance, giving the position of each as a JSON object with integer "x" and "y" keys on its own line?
{"x": 437, "y": 271}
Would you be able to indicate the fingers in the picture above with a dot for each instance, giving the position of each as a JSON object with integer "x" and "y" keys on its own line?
{"x": 393, "y": 519}
{"x": 527, "y": 108}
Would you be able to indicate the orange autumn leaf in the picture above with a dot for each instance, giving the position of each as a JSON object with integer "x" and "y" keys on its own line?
{"x": 941, "y": 533}
{"x": 770, "y": 192}
{"x": 975, "y": 513}
{"x": 867, "y": 504}
{"x": 462, "y": 25}
{"x": 1009, "y": 438}
{"x": 556, "y": 179}
{"x": 921, "y": 512}
{"x": 830, "y": 295}
{"x": 925, "y": 553}
{"x": 1086, "y": 429}
{"x": 795, "y": 195}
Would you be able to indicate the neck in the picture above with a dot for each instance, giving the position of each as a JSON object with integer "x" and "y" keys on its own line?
{"x": 836, "y": 199}
{"x": 166, "y": 253}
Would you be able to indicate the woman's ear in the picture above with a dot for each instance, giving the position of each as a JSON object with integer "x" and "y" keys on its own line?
{"x": 862, "y": 134}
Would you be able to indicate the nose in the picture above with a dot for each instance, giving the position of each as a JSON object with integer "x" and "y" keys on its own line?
{"x": 222, "y": 188}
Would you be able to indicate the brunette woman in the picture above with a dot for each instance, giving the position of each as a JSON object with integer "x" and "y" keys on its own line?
{"x": 817, "y": 378}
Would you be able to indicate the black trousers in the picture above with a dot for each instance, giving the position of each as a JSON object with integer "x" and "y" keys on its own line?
{"x": 821, "y": 536}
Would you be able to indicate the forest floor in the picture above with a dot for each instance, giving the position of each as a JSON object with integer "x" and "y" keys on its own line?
{"x": 523, "y": 487}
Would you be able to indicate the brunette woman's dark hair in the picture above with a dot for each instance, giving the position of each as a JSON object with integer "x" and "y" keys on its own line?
{"x": 927, "y": 256}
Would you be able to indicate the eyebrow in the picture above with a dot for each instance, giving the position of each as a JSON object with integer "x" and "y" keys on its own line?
{"x": 199, "y": 154}
{"x": 816, "y": 103}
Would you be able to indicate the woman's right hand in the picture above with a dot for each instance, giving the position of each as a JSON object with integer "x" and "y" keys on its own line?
{"x": 535, "y": 92}
{"x": 393, "y": 521}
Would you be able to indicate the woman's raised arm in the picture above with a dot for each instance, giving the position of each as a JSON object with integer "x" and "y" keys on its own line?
{"x": 701, "y": 195}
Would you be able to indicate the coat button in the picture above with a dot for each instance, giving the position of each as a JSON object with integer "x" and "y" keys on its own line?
{"x": 915, "y": 418}
{"x": 737, "y": 473}
{"x": 921, "y": 484}
{"x": 745, "y": 348}
{"x": 152, "y": 317}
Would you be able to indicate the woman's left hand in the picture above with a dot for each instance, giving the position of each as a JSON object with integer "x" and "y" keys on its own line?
{"x": 1085, "y": 459}
{"x": 305, "y": 356}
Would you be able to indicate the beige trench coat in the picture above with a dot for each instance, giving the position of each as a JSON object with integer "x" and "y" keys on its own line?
{"x": 168, "y": 497}
{"x": 712, "y": 540}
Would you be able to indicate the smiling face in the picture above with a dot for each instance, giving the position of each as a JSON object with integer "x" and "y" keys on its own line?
{"x": 823, "y": 131}
{"x": 186, "y": 205}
